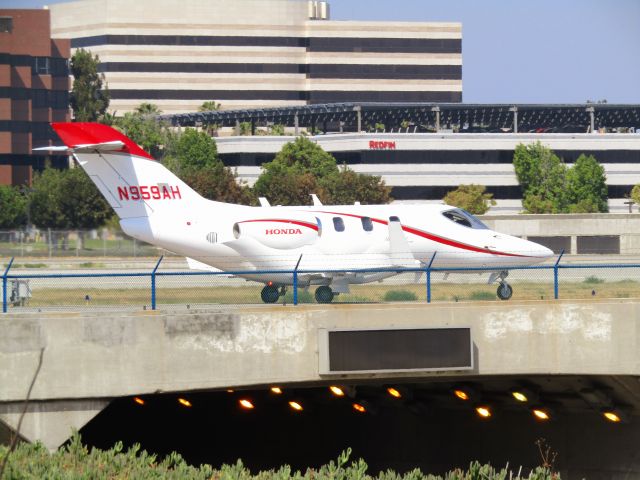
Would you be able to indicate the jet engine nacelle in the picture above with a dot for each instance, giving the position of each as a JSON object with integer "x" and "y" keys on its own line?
{"x": 281, "y": 233}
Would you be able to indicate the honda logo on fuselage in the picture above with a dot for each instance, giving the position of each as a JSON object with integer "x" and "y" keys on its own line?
{"x": 149, "y": 192}
{"x": 283, "y": 231}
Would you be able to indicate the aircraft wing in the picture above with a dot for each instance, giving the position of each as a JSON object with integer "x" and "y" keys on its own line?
{"x": 196, "y": 265}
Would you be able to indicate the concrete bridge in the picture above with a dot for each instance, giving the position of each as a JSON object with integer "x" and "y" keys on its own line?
{"x": 584, "y": 356}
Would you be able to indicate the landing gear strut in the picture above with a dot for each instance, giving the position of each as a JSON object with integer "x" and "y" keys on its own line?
{"x": 504, "y": 289}
{"x": 324, "y": 294}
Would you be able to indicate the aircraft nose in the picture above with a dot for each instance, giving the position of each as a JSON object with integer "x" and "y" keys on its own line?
{"x": 540, "y": 251}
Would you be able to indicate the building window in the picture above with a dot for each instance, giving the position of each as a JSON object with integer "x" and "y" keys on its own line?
{"x": 41, "y": 65}
{"x": 367, "y": 224}
{"x": 338, "y": 224}
{"x": 6, "y": 24}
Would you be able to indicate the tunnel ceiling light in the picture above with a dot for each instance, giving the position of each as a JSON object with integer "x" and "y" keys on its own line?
{"x": 483, "y": 411}
{"x": 246, "y": 404}
{"x": 297, "y": 406}
{"x": 519, "y": 396}
{"x": 615, "y": 415}
{"x": 276, "y": 390}
{"x": 230, "y": 390}
{"x": 461, "y": 394}
{"x": 612, "y": 417}
{"x": 394, "y": 392}
{"x": 337, "y": 391}
{"x": 139, "y": 400}
{"x": 542, "y": 414}
{"x": 184, "y": 402}
{"x": 358, "y": 407}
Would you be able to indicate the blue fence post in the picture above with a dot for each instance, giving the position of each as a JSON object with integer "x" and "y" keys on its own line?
{"x": 429, "y": 277}
{"x": 4, "y": 286}
{"x": 153, "y": 284}
{"x": 555, "y": 276}
{"x": 295, "y": 281}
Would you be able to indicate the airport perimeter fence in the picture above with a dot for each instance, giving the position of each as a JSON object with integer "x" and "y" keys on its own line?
{"x": 50, "y": 243}
{"x": 174, "y": 290}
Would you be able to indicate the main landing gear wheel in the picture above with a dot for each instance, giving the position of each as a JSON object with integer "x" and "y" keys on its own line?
{"x": 324, "y": 294}
{"x": 270, "y": 294}
{"x": 504, "y": 291}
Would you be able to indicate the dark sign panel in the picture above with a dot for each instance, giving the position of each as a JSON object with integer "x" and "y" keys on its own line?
{"x": 360, "y": 351}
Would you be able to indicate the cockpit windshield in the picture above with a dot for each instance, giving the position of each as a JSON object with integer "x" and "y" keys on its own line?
{"x": 464, "y": 218}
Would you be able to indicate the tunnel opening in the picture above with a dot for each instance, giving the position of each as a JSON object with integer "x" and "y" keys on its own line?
{"x": 427, "y": 426}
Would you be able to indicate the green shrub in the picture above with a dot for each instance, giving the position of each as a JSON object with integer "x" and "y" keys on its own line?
{"x": 400, "y": 296}
{"x": 303, "y": 297}
{"x": 482, "y": 295}
{"x": 91, "y": 265}
{"x": 75, "y": 461}
{"x": 593, "y": 280}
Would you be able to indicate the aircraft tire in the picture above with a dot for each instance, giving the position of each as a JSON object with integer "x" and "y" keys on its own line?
{"x": 270, "y": 294}
{"x": 505, "y": 291}
{"x": 324, "y": 294}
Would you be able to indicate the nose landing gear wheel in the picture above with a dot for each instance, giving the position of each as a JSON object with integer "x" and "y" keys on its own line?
{"x": 270, "y": 294}
{"x": 324, "y": 294}
{"x": 504, "y": 291}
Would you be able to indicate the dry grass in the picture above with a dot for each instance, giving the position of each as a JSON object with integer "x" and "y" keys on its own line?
{"x": 250, "y": 294}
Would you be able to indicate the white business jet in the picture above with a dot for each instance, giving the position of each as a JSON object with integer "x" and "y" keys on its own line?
{"x": 332, "y": 246}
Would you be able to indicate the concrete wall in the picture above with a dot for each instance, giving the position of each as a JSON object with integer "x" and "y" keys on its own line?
{"x": 90, "y": 359}
{"x": 627, "y": 226}
{"x": 98, "y": 356}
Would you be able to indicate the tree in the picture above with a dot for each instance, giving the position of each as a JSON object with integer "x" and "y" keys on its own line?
{"x": 219, "y": 183}
{"x": 195, "y": 150}
{"x": 195, "y": 156}
{"x": 89, "y": 100}
{"x": 635, "y": 194}
{"x": 473, "y": 198}
{"x": 63, "y": 199}
{"x": 548, "y": 186}
{"x": 349, "y": 187}
{"x": 152, "y": 135}
{"x": 209, "y": 106}
{"x": 587, "y": 186}
{"x": 146, "y": 108}
{"x": 542, "y": 177}
{"x": 302, "y": 167}
{"x": 13, "y": 213}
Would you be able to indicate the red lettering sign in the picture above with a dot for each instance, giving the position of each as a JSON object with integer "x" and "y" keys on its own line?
{"x": 148, "y": 192}
{"x": 381, "y": 145}
{"x": 283, "y": 231}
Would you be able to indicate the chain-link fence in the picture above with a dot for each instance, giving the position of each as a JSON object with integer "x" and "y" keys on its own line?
{"x": 168, "y": 289}
{"x": 80, "y": 243}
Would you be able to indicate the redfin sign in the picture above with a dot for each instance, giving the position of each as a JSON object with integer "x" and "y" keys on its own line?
{"x": 381, "y": 145}
{"x": 149, "y": 192}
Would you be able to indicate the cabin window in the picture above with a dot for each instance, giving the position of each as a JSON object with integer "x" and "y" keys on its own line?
{"x": 338, "y": 224}
{"x": 464, "y": 218}
{"x": 367, "y": 224}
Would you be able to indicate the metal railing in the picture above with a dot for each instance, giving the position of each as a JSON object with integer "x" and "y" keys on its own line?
{"x": 29, "y": 291}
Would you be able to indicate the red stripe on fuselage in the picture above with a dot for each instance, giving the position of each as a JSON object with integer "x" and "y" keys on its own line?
{"x": 434, "y": 238}
{"x": 313, "y": 226}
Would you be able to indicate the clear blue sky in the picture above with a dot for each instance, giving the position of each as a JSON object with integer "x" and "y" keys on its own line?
{"x": 537, "y": 51}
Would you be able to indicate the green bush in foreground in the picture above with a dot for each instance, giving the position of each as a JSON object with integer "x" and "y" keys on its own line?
{"x": 400, "y": 296}
{"x": 33, "y": 461}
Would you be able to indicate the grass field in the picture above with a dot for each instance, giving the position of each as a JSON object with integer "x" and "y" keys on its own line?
{"x": 371, "y": 293}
